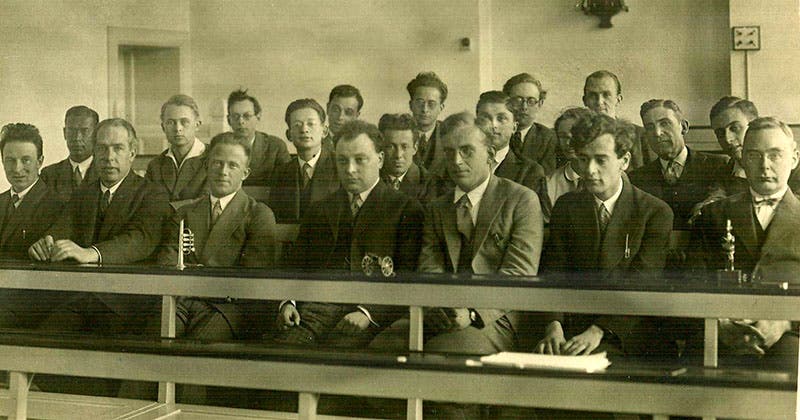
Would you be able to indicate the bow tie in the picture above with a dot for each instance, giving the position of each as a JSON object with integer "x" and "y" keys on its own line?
{"x": 771, "y": 202}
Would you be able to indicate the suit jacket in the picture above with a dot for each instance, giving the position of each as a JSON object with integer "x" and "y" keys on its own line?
{"x": 524, "y": 172}
{"x": 433, "y": 152}
{"x": 702, "y": 175}
{"x": 242, "y": 236}
{"x": 58, "y": 177}
{"x": 267, "y": 154}
{"x": 640, "y": 224}
{"x": 540, "y": 147}
{"x": 507, "y": 238}
{"x": 288, "y": 200}
{"x": 28, "y": 222}
{"x": 778, "y": 258}
{"x": 388, "y": 223}
{"x": 186, "y": 184}
{"x": 416, "y": 184}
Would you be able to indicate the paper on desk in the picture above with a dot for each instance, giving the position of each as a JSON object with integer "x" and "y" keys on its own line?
{"x": 591, "y": 363}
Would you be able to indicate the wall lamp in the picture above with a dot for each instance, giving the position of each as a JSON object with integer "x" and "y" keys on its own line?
{"x": 604, "y": 9}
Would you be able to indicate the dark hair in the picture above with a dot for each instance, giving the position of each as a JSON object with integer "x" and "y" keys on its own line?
{"x": 727, "y": 102}
{"x": 767, "y": 123}
{"x": 601, "y": 74}
{"x": 304, "y": 103}
{"x": 662, "y": 103}
{"x": 427, "y": 79}
{"x": 232, "y": 139}
{"x": 573, "y": 113}
{"x": 181, "y": 100}
{"x": 133, "y": 141}
{"x": 525, "y": 78}
{"x": 399, "y": 122}
{"x": 82, "y": 111}
{"x": 347, "y": 91}
{"x": 453, "y": 121}
{"x": 493, "y": 97}
{"x": 240, "y": 95}
{"x": 352, "y": 129}
{"x": 21, "y": 133}
{"x": 594, "y": 124}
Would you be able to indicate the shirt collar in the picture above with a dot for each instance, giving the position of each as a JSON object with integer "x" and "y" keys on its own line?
{"x": 83, "y": 165}
{"x": 198, "y": 147}
{"x": 364, "y": 194}
{"x": 400, "y": 177}
{"x": 24, "y": 192}
{"x": 500, "y": 156}
{"x": 113, "y": 188}
{"x": 570, "y": 174}
{"x": 680, "y": 159}
{"x": 475, "y": 195}
{"x": 223, "y": 201}
{"x": 428, "y": 134}
{"x": 312, "y": 162}
{"x": 611, "y": 202}
{"x": 524, "y": 132}
{"x": 777, "y": 196}
{"x": 738, "y": 171}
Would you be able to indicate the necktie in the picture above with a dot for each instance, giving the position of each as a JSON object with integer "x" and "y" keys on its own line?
{"x": 77, "y": 177}
{"x": 14, "y": 201}
{"x": 105, "y": 200}
{"x": 464, "y": 217}
{"x": 306, "y": 174}
{"x": 355, "y": 204}
{"x": 516, "y": 143}
{"x": 764, "y": 208}
{"x": 671, "y": 173}
{"x": 216, "y": 211}
{"x": 422, "y": 147}
{"x": 396, "y": 183}
{"x": 603, "y": 217}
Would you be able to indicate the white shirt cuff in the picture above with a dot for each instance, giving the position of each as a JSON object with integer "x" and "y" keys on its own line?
{"x": 366, "y": 312}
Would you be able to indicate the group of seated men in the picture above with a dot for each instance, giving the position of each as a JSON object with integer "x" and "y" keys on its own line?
{"x": 471, "y": 194}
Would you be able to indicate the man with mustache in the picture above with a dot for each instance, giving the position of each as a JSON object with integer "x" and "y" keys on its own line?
{"x": 399, "y": 171}
{"x": 310, "y": 176}
{"x": 267, "y": 152}
{"x": 684, "y": 178}
{"x": 532, "y": 140}
{"x": 180, "y": 169}
{"x": 66, "y": 176}
{"x": 602, "y": 92}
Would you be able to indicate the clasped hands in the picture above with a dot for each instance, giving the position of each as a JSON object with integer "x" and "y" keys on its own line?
{"x": 555, "y": 343}
{"x": 352, "y": 322}
{"x": 47, "y": 249}
{"x": 745, "y": 336}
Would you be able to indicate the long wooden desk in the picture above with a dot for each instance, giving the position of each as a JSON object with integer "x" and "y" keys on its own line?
{"x": 656, "y": 298}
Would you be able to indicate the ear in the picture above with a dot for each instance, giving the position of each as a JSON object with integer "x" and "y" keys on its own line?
{"x": 288, "y": 137}
{"x": 245, "y": 173}
{"x": 164, "y": 129}
{"x": 795, "y": 158}
{"x": 684, "y": 127}
{"x": 585, "y": 102}
{"x": 325, "y": 131}
{"x": 64, "y": 130}
{"x": 380, "y": 160}
{"x": 619, "y": 98}
{"x": 626, "y": 161}
{"x": 40, "y": 159}
{"x": 258, "y": 117}
{"x": 410, "y": 104}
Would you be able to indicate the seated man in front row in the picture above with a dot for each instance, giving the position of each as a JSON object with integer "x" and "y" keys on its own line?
{"x": 114, "y": 220}
{"x": 611, "y": 229}
{"x": 765, "y": 224}
{"x": 230, "y": 229}
{"x": 364, "y": 216}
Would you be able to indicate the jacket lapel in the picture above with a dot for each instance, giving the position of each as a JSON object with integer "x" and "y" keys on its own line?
{"x": 449, "y": 228}
{"x": 336, "y": 214}
{"x": 491, "y": 203}
{"x": 190, "y": 166}
{"x": 370, "y": 211}
{"x": 228, "y": 223}
{"x": 198, "y": 218}
{"x": 5, "y": 201}
{"x": 743, "y": 222}
{"x": 613, "y": 244}
{"x": 115, "y": 211}
{"x": 787, "y": 213}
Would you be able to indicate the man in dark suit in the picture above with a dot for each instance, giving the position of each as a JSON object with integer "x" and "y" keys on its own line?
{"x": 685, "y": 179}
{"x": 230, "y": 229}
{"x": 364, "y": 217}
{"x": 611, "y": 228}
{"x": 267, "y": 152}
{"x": 399, "y": 171}
{"x": 427, "y": 94}
{"x": 498, "y": 121}
{"x": 765, "y": 224}
{"x": 180, "y": 169}
{"x": 602, "y": 92}
{"x": 309, "y": 177}
{"x": 115, "y": 220}
{"x": 344, "y": 104}
{"x": 531, "y": 141}
{"x": 66, "y": 176}
{"x": 27, "y": 210}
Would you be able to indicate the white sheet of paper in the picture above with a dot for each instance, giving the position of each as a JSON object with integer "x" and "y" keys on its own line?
{"x": 590, "y": 363}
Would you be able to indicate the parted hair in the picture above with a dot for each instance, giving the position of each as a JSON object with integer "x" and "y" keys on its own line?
{"x": 233, "y": 139}
{"x": 398, "y": 122}
{"x": 601, "y": 74}
{"x": 427, "y": 79}
{"x": 352, "y": 129}
{"x": 457, "y": 120}
{"x": 492, "y": 97}
{"x": 82, "y": 111}
{"x": 594, "y": 124}
{"x": 304, "y": 103}
{"x": 347, "y": 91}
{"x": 133, "y": 141}
{"x": 573, "y": 113}
{"x": 21, "y": 133}
{"x": 240, "y": 95}
{"x": 727, "y": 102}
{"x": 525, "y": 78}
{"x": 181, "y": 100}
{"x": 767, "y": 123}
{"x": 663, "y": 103}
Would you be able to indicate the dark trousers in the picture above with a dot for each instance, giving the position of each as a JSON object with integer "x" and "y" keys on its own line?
{"x": 317, "y": 323}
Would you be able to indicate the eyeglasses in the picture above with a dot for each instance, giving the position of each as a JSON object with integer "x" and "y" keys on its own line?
{"x": 246, "y": 116}
{"x": 754, "y": 157}
{"x": 519, "y": 101}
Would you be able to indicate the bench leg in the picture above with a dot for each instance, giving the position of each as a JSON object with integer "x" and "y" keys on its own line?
{"x": 711, "y": 347}
{"x": 415, "y": 338}
{"x": 307, "y": 406}
{"x": 18, "y": 385}
{"x": 166, "y": 390}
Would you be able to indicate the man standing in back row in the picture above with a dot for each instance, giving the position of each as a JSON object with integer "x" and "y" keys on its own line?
{"x": 66, "y": 176}
{"x": 427, "y": 94}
